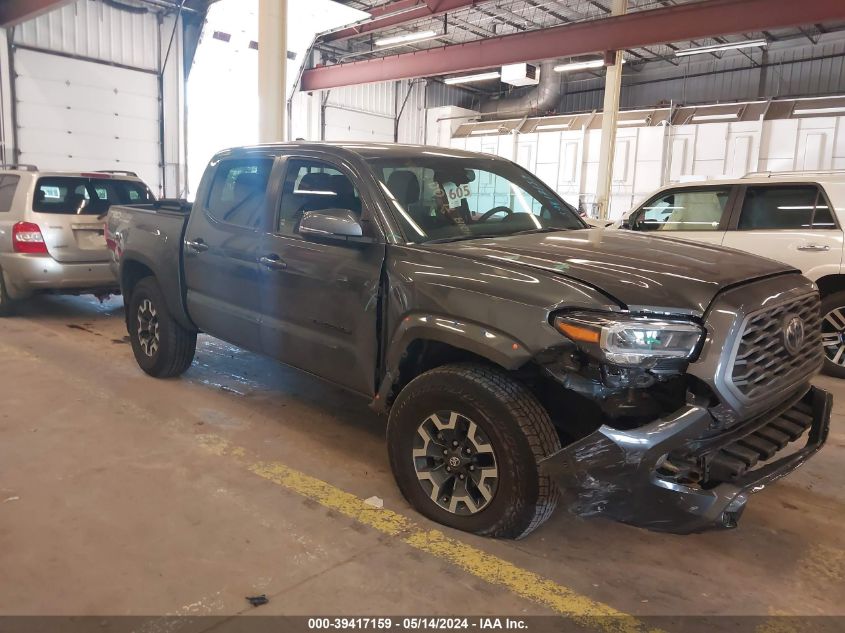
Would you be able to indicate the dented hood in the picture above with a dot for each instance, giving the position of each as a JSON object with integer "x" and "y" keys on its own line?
{"x": 638, "y": 271}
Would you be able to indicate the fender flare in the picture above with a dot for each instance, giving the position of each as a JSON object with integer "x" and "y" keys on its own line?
{"x": 172, "y": 295}
{"x": 496, "y": 346}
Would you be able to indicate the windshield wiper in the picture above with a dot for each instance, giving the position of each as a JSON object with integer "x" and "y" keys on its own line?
{"x": 462, "y": 238}
{"x": 487, "y": 236}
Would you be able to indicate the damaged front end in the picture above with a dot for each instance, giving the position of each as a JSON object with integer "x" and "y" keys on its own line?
{"x": 677, "y": 475}
{"x": 679, "y": 443}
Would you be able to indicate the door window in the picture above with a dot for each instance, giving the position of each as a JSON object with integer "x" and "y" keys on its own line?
{"x": 794, "y": 207}
{"x": 8, "y": 185}
{"x": 238, "y": 192}
{"x": 684, "y": 210}
{"x": 314, "y": 185}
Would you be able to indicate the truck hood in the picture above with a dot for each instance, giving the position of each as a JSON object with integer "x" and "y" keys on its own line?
{"x": 638, "y": 271}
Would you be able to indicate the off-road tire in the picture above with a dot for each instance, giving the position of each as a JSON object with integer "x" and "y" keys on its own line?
{"x": 829, "y": 303}
{"x": 517, "y": 427}
{"x": 176, "y": 345}
{"x": 6, "y": 303}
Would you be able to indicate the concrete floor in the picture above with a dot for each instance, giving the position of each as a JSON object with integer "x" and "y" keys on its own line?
{"x": 125, "y": 495}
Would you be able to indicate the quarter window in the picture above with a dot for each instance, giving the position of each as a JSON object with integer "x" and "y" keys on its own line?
{"x": 313, "y": 185}
{"x": 8, "y": 185}
{"x": 685, "y": 210}
{"x": 793, "y": 207}
{"x": 239, "y": 191}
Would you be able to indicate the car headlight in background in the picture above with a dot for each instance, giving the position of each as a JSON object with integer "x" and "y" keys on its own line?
{"x": 630, "y": 341}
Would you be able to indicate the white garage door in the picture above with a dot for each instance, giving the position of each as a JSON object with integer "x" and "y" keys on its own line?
{"x": 349, "y": 125}
{"x": 84, "y": 116}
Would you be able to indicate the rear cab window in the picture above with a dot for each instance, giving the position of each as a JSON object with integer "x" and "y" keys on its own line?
{"x": 684, "y": 210}
{"x": 785, "y": 207}
{"x": 79, "y": 195}
{"x": 238, "y": 193}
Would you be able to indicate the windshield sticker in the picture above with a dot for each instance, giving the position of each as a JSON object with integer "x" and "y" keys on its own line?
{"x": 455, "y": 193}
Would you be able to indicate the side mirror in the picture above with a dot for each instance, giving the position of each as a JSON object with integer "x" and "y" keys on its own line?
{"x": 333, "y": 225}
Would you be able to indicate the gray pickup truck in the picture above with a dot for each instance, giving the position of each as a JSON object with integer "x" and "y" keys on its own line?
{"x": 524, "y": 359}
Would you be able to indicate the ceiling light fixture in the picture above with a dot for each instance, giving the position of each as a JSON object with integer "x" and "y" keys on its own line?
{"x": 553, "y": 126}
{"x": 465, "y": 79}
{"x": 407, "y": 37}
{"x": 585, "y": 65}
{"x": 716, "y": 117}
{"x": 835, "y": 110}
{"x": 628, "y": 122}
{"x": 701, "y": 50}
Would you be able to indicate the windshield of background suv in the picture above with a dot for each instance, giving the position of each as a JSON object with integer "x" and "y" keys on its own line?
{"x": 73, "y": 195}
{"x": 446, "y": 198}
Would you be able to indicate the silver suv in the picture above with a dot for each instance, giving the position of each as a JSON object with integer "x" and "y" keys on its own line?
{"x": 51, "y": 230}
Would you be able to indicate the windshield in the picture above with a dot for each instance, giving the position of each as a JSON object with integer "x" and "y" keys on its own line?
{"x": 447, "y": 198}
{"x": 73, "y": 195}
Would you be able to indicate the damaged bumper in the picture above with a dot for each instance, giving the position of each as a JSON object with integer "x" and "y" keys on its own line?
{"x": 623, "y": 474}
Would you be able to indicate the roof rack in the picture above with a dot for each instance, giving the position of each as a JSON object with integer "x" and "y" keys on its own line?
{"x": 20, "y": 167}
{"x": 811, "y": 172}
{"x": 117, "y": 172}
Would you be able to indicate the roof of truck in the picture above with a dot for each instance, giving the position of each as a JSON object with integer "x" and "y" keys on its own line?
{"x": 367, "y": 149}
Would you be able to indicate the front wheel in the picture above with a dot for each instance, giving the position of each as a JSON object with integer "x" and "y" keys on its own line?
{"x": 162, "y": 347}
{"x": 465, "y": 442}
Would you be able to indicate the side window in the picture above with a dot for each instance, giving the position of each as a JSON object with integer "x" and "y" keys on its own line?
{"x": 684, "y": 210}
{"x": 8, "y": 185}
{"x": 239, "y": 191}
{"x": 794, "y": 207}
{"x": 313, "y": 185}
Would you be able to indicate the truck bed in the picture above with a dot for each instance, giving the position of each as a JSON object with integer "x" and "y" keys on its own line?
{"x": 151, "y": 236}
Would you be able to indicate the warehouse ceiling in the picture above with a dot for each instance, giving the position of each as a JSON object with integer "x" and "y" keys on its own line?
{"x": 485, "y": 19}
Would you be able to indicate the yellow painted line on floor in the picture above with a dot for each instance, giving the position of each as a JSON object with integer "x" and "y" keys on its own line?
{"x": 497, "y": 571}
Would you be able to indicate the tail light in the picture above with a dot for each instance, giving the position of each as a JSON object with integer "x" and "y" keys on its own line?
{"x": 27, "y": 238}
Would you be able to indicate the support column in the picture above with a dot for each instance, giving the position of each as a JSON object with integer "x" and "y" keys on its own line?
{"x": 272, "y": 67}
{"x": 612, "y": 91}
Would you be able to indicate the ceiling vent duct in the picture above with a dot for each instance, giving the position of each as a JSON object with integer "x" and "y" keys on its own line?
{"x": 520, "y": 75}
{"x": 541, "y": 100}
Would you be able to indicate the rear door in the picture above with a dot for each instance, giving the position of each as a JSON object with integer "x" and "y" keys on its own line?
{"x": 222, "y": 275}
{"x": 693, "y": 213}
{"x": 70, "y": 210}
{"x": 791, "y": 223}
{"x": 320, "y": 300}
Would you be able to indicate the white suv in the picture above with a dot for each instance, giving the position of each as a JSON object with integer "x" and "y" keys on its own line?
{"x": 796, "y": 218}
{"x": 51, "y": 230}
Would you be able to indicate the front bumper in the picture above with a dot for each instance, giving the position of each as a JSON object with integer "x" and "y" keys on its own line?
{"x": 618, "y": 474}
{"x": 25, "y": 274}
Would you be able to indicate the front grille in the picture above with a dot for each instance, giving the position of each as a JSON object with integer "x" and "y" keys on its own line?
{"x": 763, "y": 364}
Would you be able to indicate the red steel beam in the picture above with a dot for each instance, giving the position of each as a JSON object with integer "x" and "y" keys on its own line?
{"x": 398, "y": 12}
{"x": 15, "y": 11}
{"x": 642, "y": 28}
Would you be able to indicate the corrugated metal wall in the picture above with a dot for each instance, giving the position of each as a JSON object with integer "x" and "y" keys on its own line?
{"x": 95, "y": 30}
{"x": 803, "y": 70}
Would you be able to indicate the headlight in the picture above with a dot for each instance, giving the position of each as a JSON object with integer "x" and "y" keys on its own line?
{"x": 630, "y": 341}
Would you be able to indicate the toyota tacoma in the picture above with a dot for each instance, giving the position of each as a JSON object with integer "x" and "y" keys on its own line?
{"x": 524, "y": 359}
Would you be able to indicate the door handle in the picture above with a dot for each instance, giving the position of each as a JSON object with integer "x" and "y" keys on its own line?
{"x": 197, "y": 245}
{"x": 817, "y": 248}
{"x": 273, "y": 262}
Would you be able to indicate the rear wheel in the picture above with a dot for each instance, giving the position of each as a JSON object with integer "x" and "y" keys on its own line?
{"x": 6, "y": 304}
{"x": 833, "y": 334}
{"x": 162, "y": 347}
{"x": 465, "y": 442}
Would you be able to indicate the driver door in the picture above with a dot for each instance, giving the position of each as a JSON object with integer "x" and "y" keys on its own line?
{"x": 319, "y": 299}
{"x": 700, "y": 214}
